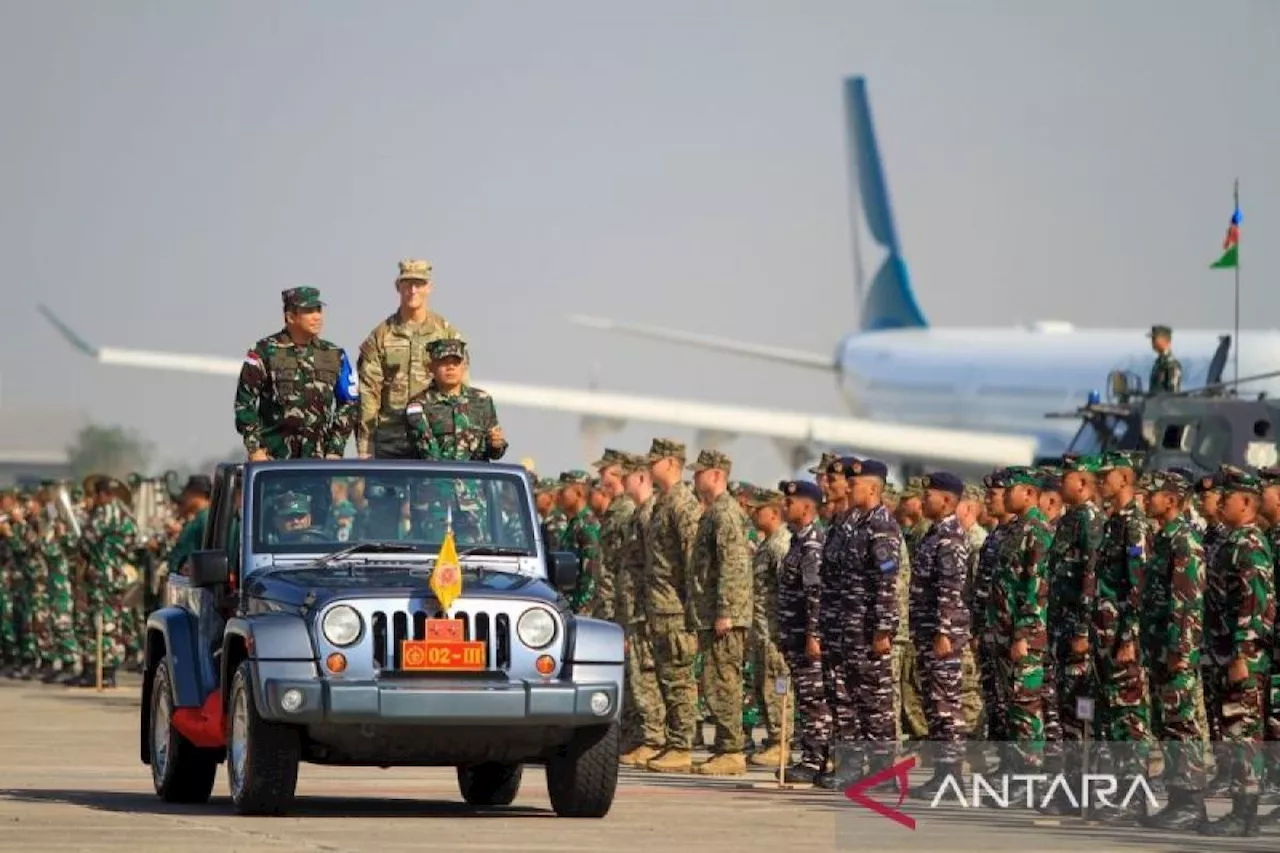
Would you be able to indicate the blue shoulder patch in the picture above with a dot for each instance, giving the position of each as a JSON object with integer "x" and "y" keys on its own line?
{"x": 347, "y": 389}
{"x": 888, "y": 567}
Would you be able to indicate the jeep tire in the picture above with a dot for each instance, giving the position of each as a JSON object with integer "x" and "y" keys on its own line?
{"x": 262, "y": 756}
{"x": 582, "y": 776}
{"x": 180, "y": 771}
{"x": 489, "y": 784}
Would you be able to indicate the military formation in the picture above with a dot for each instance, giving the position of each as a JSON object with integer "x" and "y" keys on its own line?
{"x": 78, "y": 572}
{"x": 1006, "y": 620}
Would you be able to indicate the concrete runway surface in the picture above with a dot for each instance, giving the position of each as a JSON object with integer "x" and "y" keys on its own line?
{"x": 70, "y": 779}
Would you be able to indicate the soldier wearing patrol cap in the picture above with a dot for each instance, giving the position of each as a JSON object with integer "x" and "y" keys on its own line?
{"x": 615, "y": 528}
{"x": 297, "y": 397}
{"x": 450, "y": 419}
{"x": 767, "y": 662}
{"x": 1166, "y": 372}
{"x": 393, "y": 366}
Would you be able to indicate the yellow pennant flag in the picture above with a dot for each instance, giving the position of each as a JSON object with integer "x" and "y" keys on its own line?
{"x": 446, "y": 577}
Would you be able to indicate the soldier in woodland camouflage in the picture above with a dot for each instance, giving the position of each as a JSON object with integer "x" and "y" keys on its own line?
{"x": 1073, "y": 583}
{"x": 581, "y": 536}
{"x": 721, "y": 608}
{"x": 992, "y": 648}
{"x": 450, "y": 420}
{"x": 297, "y": 397}
{"x": 1166, "y": 372}
{"x": 799, "y": 588}
{"x": 1240, "y": 621}
{"x": 1121, "y": 568}
{"x": 1209, "y": 492}
{"x": 615, "y": 527}
{"x": 109, "y": 537}
{"x": 61, "y": 654}
{"x": 768, "y": 665}
{"x": 645, "y": 714}
{"x": 1174, "y": 636}
{"x": 392, "y": 366}
{"x": 1019, "y": 613}
{"x": 8, "y": 582}
{"x": 547, "y": 500}
{"x": 968, "y": 511}
{"x": 672, "y": 530}
{"x": 940, "y": 624}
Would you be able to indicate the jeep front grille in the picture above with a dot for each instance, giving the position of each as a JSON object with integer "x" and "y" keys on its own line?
{"x": 391, "y": 629}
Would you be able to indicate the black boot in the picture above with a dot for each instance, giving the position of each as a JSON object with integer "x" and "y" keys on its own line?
{"x": 50, "y": 675}
{"x": 1220, "y": 784}
{"x": 799, "y": 774}
{"x": 1240, "y": 822}
{"x": 1059, "y": 804}
{"x": 1119, "y": 815}
{"x": 930, "y": 789}
{"x": 846, "y": 759}
{"x": 877, "y": 762}
{"x": 1185, "y": 811}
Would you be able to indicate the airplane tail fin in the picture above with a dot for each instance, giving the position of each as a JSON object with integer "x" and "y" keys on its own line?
{"x": 887, "y": 302}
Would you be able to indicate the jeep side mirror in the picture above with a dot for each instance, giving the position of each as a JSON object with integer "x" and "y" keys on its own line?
{"x": 564, "y": 570}
{"x": 209, "y": 568}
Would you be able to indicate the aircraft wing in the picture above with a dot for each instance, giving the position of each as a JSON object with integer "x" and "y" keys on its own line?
{"x": 777, "y": 355}
{"x": 886, "y": 440}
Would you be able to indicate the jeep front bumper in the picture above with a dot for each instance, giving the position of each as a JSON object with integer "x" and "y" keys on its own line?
{"x": 437, "y": 701}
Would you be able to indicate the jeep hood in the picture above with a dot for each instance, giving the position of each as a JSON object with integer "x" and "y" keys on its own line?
{"x": 316, "y": 587}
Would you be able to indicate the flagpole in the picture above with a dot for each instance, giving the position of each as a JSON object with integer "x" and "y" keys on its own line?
{"x": 1236, "y": 349}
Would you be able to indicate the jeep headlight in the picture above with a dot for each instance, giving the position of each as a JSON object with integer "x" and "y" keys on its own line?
{"x": 341, "y": 625}
{"x": 536, "y": 628}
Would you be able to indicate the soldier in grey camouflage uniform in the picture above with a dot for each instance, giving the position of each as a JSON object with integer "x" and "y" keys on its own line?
{"x": 721, "y": 608}
{"x": 799, "y": 636}
{"x": 672, "y": 529}
{"x": 768, "y": 665}
{"x": 834, "y": 620}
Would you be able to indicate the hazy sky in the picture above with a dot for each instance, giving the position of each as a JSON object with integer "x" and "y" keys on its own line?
{"x": 169, "y": 167}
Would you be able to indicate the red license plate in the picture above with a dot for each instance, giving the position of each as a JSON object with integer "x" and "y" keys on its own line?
{"x": 442, "y": 656}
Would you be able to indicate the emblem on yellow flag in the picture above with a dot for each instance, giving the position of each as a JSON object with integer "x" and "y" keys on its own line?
{"x": 446, "y": 577}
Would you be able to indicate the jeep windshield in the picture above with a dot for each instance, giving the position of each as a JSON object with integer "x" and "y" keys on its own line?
{"x": 311, "y": 511}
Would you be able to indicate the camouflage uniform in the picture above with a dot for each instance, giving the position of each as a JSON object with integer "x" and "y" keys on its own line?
{"x": 970, "y": 675}
{"x": 8, "y": 585}
{"x": 909, "y": 712}
{"x": 1215, "y": 534}
{"x": 799, "y": 586}
{"x": 672, "y": 529}
{"x": 937, "y": 607}
{"x": 615, "y": 529}
{"x": 769, "y": 665}
{"x": 993, "y": 646}
{"x": 1073, "y": 590}
{"x": 296, "y": 401}
{"x": 61, "y": 651}
{"x": 832, "y": 625}
{"x": 720, "y": 587}
{"x": 645, "y": 714}
{"x": 871, "y": 606}
{"x": 1173, "y": 630}
{"x": 109, "y": 537}
{"x": 1240, "y": 620}
{"x": 392, "y": 369}
{"x": 1121, "y": 567}
{"x": 582, "y": 537}
{"x": 1166, "y": 372}
{"x": 452, "y": 426}
{"x": 1020, "y": 601}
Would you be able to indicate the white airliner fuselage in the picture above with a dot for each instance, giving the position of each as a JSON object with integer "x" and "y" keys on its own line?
{"x": 1006, "y": 380}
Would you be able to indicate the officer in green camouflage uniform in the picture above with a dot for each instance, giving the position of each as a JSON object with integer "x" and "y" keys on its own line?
{"x": 60, "y": 651}
{"x": 615, "y": 527}
{"x": 1173, "y": 636}
{"x": 581, "y": 536}
{"x": 551, "y": 517}
{"x": 720, "y": 608}
{"x": 1122, "y": 567}
{"x": 1166, "y": 372}
{"x": 769, "y": 666}
{"x": 392, "y": 366}
{"x": 450, "y": 420}
{"x": 910, "y": 515}
{"x": 29, "y": 590}
{"x": 1240, "y": 610}
{"x": 8, "y": 583}
{"x": 108, "y": 539}
{"x": 297, "y": 397}
{"x": 644, "y": 712}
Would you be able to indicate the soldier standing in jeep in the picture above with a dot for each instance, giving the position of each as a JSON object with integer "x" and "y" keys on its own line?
{"x": 297, "y": 397}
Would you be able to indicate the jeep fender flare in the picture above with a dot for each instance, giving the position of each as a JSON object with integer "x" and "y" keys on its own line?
{"x": 171, "y": 635}
{"x": 264, "y": 636}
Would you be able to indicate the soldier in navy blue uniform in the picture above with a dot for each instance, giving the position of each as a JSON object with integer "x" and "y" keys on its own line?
{"x": 939, "y": 619}
{"x": 799, "y": 636}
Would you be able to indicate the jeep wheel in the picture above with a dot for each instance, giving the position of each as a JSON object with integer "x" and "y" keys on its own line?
{"x": 490, "y": 784}
{"x": 180, "y": 771}
{"x": 583, "y": 776}
{"x": 262, "y": 756}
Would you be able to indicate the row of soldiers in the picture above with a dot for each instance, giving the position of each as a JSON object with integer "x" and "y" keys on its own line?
{"x": 74, "y": 574}
{"x": 995, "y": 608}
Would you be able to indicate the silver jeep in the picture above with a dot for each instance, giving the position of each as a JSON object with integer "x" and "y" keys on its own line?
{"x": 307, "y": 630}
